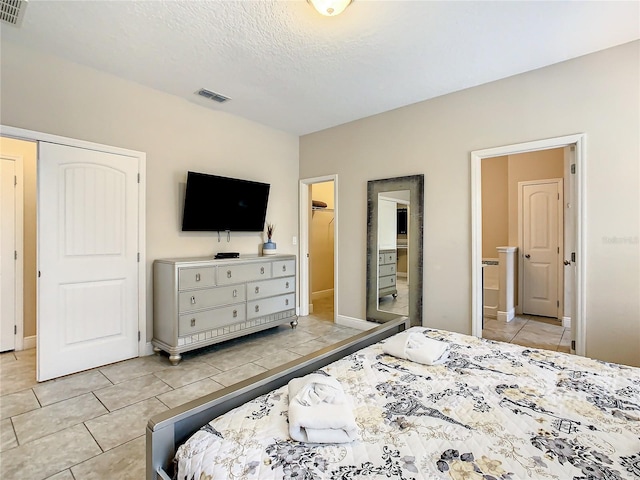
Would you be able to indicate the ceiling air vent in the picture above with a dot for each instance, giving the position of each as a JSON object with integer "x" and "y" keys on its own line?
{"x": 216, "y": 97}
{"x": 12, "y": 11}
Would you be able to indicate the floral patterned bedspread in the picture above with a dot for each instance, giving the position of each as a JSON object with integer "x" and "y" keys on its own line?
{"x": 493, "y": 411}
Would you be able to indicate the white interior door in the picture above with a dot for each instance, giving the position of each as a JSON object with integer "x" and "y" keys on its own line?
{"x": 87, "y": 259}
{"x": 7, "y": 256}
{"x": 540, "y": 247}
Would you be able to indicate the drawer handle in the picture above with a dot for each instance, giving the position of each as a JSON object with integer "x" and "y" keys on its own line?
{"x": 193, "y": 300}
{"x": 228, "y": 273}
{"x": 257, "y": 308}
{"x": 235, "y": 313}
{"x": 235, "y": 293}
{"x": 284, "y": 268}
{"x": 286, "y": 285}
{"x": 197, "y": 277}
{"x": 286, "y": 301}
{"x": 257, "y": 289}
{"x": 193, "y": 322}
{"x": 261, "y": 270}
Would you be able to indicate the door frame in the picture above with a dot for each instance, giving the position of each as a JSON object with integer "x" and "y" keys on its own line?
{"x": 305, "y": 215}
{"x": 579, "y": 141}
{"x": 144, "y": 347}
{"x": 559, "y": 258}
{"x": 18, "y": 338}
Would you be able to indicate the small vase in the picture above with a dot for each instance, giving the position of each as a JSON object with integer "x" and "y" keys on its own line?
{"x": 269, "y": 248}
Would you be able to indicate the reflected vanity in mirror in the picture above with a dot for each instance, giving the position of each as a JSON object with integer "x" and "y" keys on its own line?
{"x": 394, "y": 248}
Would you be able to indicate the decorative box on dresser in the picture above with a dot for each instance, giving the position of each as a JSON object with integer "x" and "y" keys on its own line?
{"x": 387, "y": 273}
{"x": 202, "y": 301}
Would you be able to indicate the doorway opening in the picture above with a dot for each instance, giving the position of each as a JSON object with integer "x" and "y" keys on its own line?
{"x": 319, "y": 247}
{"x": 61, "y": 299}
{"x": 18, "y": 259}
{"x": 550, "y": 273}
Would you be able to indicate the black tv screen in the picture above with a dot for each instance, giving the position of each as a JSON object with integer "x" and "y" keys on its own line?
{"x": 214, "y": 203}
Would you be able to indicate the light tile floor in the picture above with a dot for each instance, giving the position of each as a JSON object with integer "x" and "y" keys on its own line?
{"x": 91, "y": 425}
{"x": 529, "y": 331}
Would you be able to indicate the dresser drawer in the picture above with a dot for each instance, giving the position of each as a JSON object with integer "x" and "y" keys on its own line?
{"x": 210, "y": 319}
{"x": 267, "y": 306}
{"x": 210, "y": 297}
{"x": 269, "y": 288}
{"x": 196, "y": 277}
{"x": 284, "y": 268}
{"x": 384, "y": 282}
{"x": 230, "y": 274}
{"x": 388, "y": 257}
{"x": 389, "y": 269}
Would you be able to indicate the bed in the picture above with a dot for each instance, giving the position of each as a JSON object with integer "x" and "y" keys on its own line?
{"x": 490, "y": 411}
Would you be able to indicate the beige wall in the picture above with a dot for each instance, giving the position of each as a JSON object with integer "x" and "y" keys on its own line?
{"x": 321, "y": 240}
{"x": 29, "y": 153}
{"x": 495, "y": 205}
{"x": 51, "y": 95}
{"x": 596, "y": 94}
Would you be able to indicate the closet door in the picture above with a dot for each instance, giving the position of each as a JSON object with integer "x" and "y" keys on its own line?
{"x": 87, "y": 259}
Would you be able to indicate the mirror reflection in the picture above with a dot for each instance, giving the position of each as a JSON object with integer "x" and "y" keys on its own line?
{"x": 393, "y": 250}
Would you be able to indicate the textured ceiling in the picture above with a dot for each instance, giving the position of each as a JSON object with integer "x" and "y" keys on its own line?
{"x": 286, "y": 66}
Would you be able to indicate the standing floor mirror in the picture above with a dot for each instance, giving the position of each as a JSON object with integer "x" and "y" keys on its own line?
{"x": 394, "y": 248}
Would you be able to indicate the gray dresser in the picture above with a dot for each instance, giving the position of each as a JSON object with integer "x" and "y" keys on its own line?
{"x": 387, "y": 273}
{"x": 201, "y": 301}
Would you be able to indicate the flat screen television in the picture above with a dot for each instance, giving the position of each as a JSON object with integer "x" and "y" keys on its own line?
{"x": 214, "y": 203}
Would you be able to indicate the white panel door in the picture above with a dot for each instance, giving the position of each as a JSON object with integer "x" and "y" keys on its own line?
{"x": 540, "y": 249}
{"x": 88, "y": 247}
{"x": 7, "y": 256}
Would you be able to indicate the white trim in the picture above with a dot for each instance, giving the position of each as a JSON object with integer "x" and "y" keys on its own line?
{"x": 579, "y": 140}
{"x": 566, "y": 322}
{"x": 305, "y": 212}
{"x": 29, "y": 342}
{"x": 506, "y": 317}
{"x": 18, "y": 342}
{"x": 356, "y": 323}
{"x": 141, "y": 157}
{"x": 148, "y": 349}
{"x": 322, "y": 294}
{"x": 560, "y": 230}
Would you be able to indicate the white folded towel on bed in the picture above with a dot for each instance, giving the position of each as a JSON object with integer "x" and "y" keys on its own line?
{"x": 413, "y": 345}
{"x": 319, "y": 411}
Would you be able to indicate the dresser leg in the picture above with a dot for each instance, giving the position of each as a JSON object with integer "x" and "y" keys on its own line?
{"x": 294, "y": 323}
{"x": 175, "y": 359}
{"x": 157, "y": 350}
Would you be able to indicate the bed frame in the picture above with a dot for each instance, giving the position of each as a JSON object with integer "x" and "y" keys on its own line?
{"x": 168, "y": 430}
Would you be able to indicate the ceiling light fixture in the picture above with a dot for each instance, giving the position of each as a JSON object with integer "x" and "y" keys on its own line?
{"x": 330, "y": 8}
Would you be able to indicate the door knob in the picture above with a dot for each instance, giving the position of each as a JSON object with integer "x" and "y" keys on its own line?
{"x": 567, "y": 262}
{"x": 527, "y": 256}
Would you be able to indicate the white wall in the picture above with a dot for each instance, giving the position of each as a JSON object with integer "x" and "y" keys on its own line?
{"x": 51, "y": 95}
{"x": 597, "y": 94}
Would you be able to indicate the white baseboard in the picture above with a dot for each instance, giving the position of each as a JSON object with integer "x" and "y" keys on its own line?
{"x": 491, "y": 312}
{"x": 355, "y": 323}
{"x": 321, "y": 294}
{"x": 506, "y": 316}
{"x": 148, "y": 349}
{"x": 566, "y": 322}
{"x": 29, "y": 342}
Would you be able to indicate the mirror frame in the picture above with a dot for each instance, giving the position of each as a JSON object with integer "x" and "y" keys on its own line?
{"x": 415, "y": 185}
